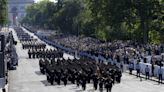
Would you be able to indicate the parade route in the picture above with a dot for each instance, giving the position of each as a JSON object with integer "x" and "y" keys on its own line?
{"x": 82, "y": 46}
{"x": 27, "y": 78}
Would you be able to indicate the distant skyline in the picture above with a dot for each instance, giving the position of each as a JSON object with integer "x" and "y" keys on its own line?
{"x": 42, "y": 0}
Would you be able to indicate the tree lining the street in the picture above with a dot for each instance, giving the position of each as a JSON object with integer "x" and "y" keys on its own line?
{"x": 107, "y": 20}
{"x": 3, "y": 12}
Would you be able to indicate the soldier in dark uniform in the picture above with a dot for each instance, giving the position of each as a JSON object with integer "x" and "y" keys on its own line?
{"x": 33, "y": 53}
{"x": 29, "y": 53}
{"x": 108, "y": 84}
{"x": 37, "y": 53}
{"x": 113, "y": 75}
{"x": 118, "y": 58}
{"x": 23, "y": 45}
{"x": 89, "y": 75}
{"x": 48, "y": 75}
{"x": 73, "y": 77}
{"x": 119, "y": 75}
{"x": 65, "y": 78}
{"x": 83, "y": 81}
{"x": 95, "y": 81}
{"x": 77, "y": 79}
{"x": 52, "y": 75}
{"x": 145, "y": 60}
{"x": 101, "y": 84}
{"x": 147, "y": 70}
{"x": 41, "y": 64}
{"x": 58, "y": 77}
{"x": 42, "y": 53}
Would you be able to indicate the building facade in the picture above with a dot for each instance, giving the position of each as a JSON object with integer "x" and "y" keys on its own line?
{"x": 17, "y": 10}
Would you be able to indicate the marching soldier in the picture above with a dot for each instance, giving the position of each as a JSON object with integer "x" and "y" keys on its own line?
{"x": 33, "y": 53}
{"x": 37, "y": 53}
{"x": 29, "y": 53}
{"x": 52, "y": 75}
{"x": 83, "y": 81}
{"x": 40, "y": 64}
{"x": 119, "y": 75}
{"x": 108, "y": 85}
{"x": 77, "y": 79}
{"x": 65, "y": 78}
{"x": 58, "y": 77}
{"x": 101, "y": 84}
{"x": 95, "y": 81}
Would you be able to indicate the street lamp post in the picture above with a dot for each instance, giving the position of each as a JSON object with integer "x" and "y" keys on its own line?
{"x": 2, "y": 64}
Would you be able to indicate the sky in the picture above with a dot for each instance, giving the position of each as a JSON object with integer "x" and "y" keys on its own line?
{"x": 41, "y": 0}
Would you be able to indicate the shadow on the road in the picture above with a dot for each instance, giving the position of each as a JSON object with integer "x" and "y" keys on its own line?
{"x": 73, "y": 88}
{"x": 91, "y": 90}
{"x": 46, "y": 83}
{"x": 157, "y": 84}
{"x": 80, "y": 90}
{"x": 60, "y": 86}
{"x": 38, "y": 73}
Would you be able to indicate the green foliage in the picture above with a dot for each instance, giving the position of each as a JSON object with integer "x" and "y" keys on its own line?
{"x": 154, "y": 37}
{"x": 138, "y": 20}
{"x": 66, "y": 17}
{"x": 3, "y": 12}
{"x": 40, "y": 14}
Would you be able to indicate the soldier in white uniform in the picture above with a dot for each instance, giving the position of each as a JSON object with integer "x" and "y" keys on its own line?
{"x": 147, "y": 70}
{"x": 131, "y": 67}
{"x": 160, "y": 75}
{"x": 138, "y": 67}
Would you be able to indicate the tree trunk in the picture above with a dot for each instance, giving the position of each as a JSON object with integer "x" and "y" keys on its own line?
{"x": 144, "y": 28}
{"x": 146, "y": 32}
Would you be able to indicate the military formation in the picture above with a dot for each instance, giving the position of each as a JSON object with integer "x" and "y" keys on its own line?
{"x": 80, "y": 72}
{"x": 67, "y": 71}
{"x": 44, "y": 53}
{"x": 33, "y": 45}
{"x": 23, "y": 36}
{"x": 61, "y": 71}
